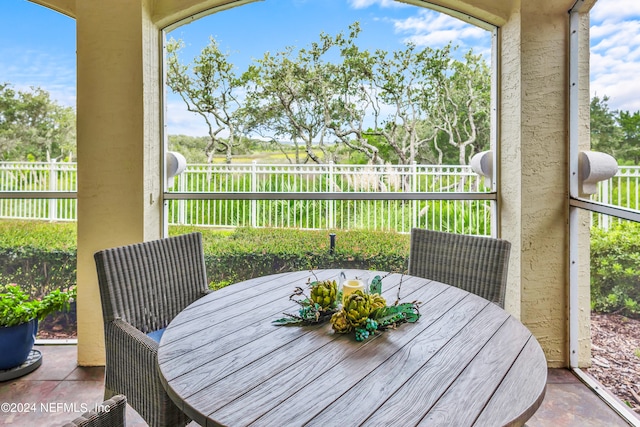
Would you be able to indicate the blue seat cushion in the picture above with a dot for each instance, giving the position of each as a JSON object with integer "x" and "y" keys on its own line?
{"x": 156, "y": 335}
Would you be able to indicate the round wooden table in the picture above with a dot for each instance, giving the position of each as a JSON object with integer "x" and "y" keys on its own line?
{"x": 465, "y": 362}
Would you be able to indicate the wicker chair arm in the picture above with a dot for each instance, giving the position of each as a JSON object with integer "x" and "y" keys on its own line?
{"x": 132, "y": 358}
{"x": 130, "y": 353}
{"x": 111, "y": 413}
{"x": 136, "y": 335}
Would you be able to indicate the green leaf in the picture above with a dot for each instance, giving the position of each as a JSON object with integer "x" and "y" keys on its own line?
{"x": 376, "y": 285}
{"x": 288, "y": 321}
{"x": 405, "y": 312}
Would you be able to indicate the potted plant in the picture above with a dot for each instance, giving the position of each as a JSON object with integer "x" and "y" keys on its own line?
{"x": 19, "y": 315}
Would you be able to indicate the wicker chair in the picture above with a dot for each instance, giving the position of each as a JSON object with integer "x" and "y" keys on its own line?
{"x": 474, "y": 263}
{"x": 111, "y": 413}
{"x": 142, "y": 288}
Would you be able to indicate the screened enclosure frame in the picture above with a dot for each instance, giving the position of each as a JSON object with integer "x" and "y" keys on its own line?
{"x": 578, "y": 203}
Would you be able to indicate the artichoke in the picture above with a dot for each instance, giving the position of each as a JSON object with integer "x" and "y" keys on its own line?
{"x": 357, "y": 307}
{"x": 377, "y": 301}
{"x": 340, "y": 323}
{"x": 325, "y": 294}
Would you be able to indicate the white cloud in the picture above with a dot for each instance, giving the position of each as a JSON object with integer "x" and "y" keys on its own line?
{"x": 361, "y": 4}
{"x": 615, "y": 53}
{"x": 53, "y": 72}
{"x": 434, "y": 29}
{"x": 442, "y": 37}
{"x": 179, "y": 121}
{"x": 615, "y": 10}
{"x": 428, "y": 20}
{"x": 608, "y": 34}
{"x": 615, "y": 78}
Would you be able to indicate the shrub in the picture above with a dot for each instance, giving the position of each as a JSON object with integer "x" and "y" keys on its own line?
{"x": 244, "y": 253}
{"x": 41, "y": 256}
{"x": 615, "y": 269}
{"x": 38, "y": 255}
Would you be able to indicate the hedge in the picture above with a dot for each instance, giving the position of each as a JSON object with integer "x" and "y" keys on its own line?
{"x": 41, "y": 256}
{"x": 615, "y": 269}
{"x": 244, "y": 253}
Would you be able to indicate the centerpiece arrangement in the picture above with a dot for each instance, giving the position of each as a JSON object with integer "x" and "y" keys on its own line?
{"x": 362, "y": 312}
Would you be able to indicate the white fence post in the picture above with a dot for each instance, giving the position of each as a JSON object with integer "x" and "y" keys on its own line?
{"x": 254, "y": 189}
{"x": 414, "y": 188}
{"x": 604, "y": 219}
{"x": 182, "y": 187}
{"x": 53, "y": 186}
{"x": 331, "y": 204}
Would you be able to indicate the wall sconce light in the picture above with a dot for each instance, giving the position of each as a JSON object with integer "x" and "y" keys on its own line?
{"x": 175, "y": 165}
{"x": 594, "y": 167}
{"x": 482, "y": 164}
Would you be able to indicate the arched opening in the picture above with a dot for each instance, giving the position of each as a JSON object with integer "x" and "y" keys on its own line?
{"x": 390, "y": 113}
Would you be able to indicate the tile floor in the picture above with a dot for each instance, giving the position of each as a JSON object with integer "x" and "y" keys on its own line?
{"x": 59, "y": 391}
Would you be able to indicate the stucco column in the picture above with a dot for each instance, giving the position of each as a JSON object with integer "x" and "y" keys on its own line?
{"x": 119, "y": 145}
{"x": 534, "y": 155}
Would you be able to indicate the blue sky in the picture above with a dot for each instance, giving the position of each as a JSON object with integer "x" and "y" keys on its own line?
{"x": 615, "y": 52}
{"x": 38, "y": 46}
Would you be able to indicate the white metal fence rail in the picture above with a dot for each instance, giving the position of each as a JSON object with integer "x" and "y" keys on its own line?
{"x": 623, "y": 190}
{"x": 342, "y": 211}
{"x": 471, "y": 216}
{"x": 36, "y": 178}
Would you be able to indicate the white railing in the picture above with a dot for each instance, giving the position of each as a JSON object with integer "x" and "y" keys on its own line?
{"x": 35, "y": 178}
{"x": 623, "y": 190}
{"x": 343, "y": 205}
{"x": 329, "y": 196}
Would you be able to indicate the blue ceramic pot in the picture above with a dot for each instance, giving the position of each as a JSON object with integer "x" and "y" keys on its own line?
{"x": 16, "y": 342}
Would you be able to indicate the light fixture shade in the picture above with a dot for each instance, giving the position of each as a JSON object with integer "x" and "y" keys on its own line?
{"x": 593, "y": 168}
{"x": 175, "y": 165}
{"x": 482, "y": 164}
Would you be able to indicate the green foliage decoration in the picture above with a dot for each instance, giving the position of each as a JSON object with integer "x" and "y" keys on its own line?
{"x": 360, "y": 312}
{"x": 365, "y": 313}
{"x": 357, "y": 307}
{"x": 325, "y": 294}
{"x": 317, "y": 308}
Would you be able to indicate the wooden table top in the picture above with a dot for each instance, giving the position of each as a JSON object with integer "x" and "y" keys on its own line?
{"x": 465, "y": 362}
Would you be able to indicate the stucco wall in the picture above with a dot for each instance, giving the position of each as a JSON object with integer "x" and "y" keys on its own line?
{"x": 510, "y": 159}
{"x": 119, "y": 146}
{"x": 543, "y": 218}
